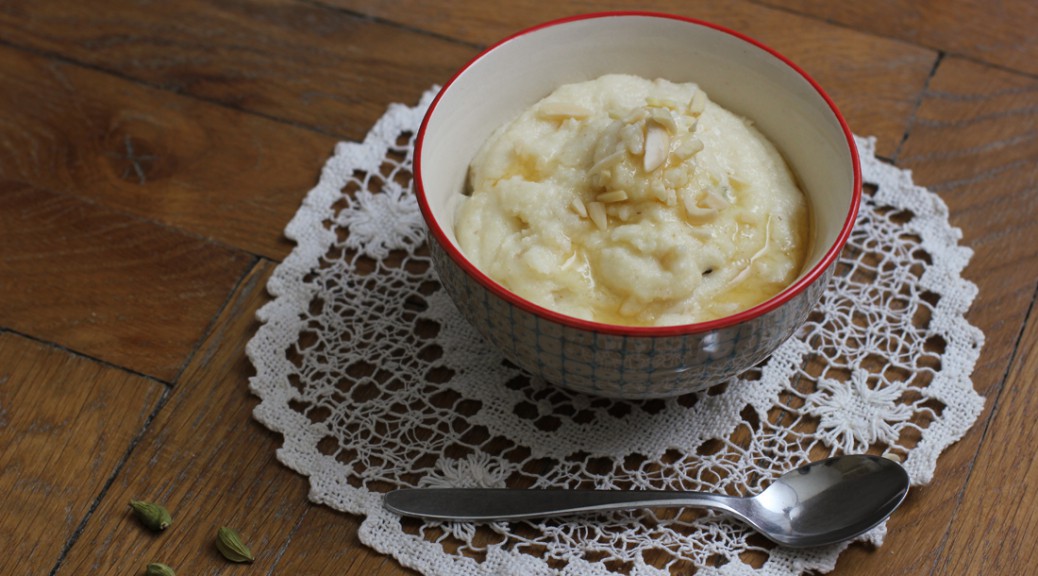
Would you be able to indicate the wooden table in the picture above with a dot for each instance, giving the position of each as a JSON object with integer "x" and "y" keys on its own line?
{"x": 151, "y": 154}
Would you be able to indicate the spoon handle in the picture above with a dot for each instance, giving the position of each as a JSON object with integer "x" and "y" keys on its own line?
{"x": 488, "y": 504}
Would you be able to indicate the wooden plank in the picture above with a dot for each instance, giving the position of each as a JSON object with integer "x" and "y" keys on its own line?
{"x": 326, "y": 542}
{"x": 208, "y": 461}
{"x": 300, "y": 61}
{"x": 975, "y": 143}
{"x": 66, "y": 424}
{"x": 1000, "y": 33}
{"x": 874, "y": 81}
{"x": 124, "y": 290}
{"x": 211, "y": 464}
{"x": 996, "y": 526}
{"x": 196, "y": 166}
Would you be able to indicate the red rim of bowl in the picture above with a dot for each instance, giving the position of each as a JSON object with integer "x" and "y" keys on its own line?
{"x": 768, "y": 305}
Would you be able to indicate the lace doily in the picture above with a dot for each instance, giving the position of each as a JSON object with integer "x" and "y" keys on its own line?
{"x": 375, "y": 381}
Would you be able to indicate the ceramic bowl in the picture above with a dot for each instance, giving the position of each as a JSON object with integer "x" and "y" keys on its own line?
{"x": 738, "y": 73}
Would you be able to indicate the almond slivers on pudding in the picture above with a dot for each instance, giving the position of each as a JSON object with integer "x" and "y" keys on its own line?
{"x": 631, "y": 201}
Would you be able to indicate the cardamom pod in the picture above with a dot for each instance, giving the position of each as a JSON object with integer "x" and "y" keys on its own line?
{"x": 151, "y": 515}
{"x": 229, "y": 543}
{"x": 158, "y": 569}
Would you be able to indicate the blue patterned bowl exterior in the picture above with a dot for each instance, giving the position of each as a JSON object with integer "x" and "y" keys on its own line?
{"x": 739, "y": 73}
{"x": 617, "y": 364}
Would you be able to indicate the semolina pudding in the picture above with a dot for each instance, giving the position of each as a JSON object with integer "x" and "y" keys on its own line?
{"x": 631, "y": 201}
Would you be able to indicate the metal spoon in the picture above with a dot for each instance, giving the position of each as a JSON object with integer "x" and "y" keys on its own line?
{"x": 821, "y": 503}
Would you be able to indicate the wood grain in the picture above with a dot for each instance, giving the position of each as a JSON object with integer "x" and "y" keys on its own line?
{"x": 200, "y": 167}
{"x": 297, "y": 61}
{"x": 66, "y": 424}
{"x": 974, "y": 142}
{"x": 874, "y": 81}
{"x": 108, "y": 285}
{"x": 1000, "y": 33}
{"x": 208, "y": 461}
{"x": 994, "y": 529}
{"x": 326, "y": 542}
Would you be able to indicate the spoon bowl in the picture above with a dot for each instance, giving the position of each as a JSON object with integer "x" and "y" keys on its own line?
{"x": 828, "y": 501}
{"x": 821, "y": 503}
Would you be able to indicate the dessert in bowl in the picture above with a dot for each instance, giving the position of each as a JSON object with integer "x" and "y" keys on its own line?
{"x": 630, "y": 149}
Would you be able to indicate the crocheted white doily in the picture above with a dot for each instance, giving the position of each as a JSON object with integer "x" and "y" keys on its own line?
{"x": 376, "y": 382}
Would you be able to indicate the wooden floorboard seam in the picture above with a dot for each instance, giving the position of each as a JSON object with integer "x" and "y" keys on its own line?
{"x": 166, "y": 394}
{"x": 232, "y": 294}
{"x": 917, "y": 106}
{"x": 77, "y": 354}
{"x": 992, "y": 413}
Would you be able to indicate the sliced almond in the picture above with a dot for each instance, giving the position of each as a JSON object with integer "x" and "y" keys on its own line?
{"x": 657, "y": 146}
{"x": 712, "y": 199}
{"x": 623, "y": 211}
{"x": 688, "y": 146}
{"x": 608, "y": 162}
{"x": 697, "y": 105}
{"x": 662, "y": 103}
{"x": 562, "y": 110}
{"x": 578, "y": 206}
{"x": 664, "y": 195}
{"x": 613, "y": 196}
{"x": 664, "y": 118}
{"x": 692, "y": 208}
{"x": 596, "y": 210}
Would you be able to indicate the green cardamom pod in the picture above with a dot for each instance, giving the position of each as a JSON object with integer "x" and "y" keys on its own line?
{"x": 230, "y": 545}
{"x": 151, "y": 515}
{"x": 157, "y": 569}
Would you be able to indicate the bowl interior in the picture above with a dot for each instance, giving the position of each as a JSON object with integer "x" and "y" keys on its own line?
{"x": 736, "y": 73}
